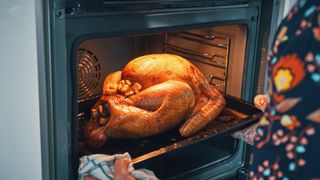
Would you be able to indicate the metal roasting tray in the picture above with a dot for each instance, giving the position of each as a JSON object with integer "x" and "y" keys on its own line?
{"x": 237, "y": 115}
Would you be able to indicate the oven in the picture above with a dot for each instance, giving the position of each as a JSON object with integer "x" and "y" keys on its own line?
{"x": 87, "y": 40}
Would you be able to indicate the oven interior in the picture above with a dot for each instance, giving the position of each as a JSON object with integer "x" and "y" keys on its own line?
{"x": 219, "y": 52}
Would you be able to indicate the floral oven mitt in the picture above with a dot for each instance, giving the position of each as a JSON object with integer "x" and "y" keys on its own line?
{"x": 249, "y": 133}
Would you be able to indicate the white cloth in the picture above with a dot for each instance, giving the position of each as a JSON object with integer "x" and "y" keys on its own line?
{"x": 101, "y": 166}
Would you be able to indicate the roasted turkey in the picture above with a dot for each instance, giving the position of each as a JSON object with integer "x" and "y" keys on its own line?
{"x": 152, "y": 94}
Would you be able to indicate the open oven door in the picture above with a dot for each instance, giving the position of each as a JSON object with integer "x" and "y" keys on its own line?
{"x": 128, "y": 27}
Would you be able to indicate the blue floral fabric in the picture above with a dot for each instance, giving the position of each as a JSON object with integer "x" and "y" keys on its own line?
{"x": 287, "y": 145}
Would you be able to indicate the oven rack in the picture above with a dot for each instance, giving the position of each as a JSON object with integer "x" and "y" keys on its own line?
{"x": 211, "y": 49}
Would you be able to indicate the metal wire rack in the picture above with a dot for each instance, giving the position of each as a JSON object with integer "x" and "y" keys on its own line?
{"x": 212, "y": 49}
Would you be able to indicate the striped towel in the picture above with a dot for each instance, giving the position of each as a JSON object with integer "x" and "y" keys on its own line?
{"x": 101, "y": 166}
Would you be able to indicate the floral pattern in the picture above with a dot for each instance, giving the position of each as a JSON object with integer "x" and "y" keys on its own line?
{"x": 287, "y": 139}
{"x": 288, "y": 72}
{"x": 283, "y": 79}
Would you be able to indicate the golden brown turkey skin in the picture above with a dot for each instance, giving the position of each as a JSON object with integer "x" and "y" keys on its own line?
{"x": 135, "y": 116}
{"x": 151, "y": 95}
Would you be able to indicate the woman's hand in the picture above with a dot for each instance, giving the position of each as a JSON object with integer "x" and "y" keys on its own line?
{"x": 89, "y": 177}
{"x": 121, "y": 170}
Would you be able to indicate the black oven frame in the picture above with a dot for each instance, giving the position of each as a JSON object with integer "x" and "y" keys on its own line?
{"x": 65, "y": 23}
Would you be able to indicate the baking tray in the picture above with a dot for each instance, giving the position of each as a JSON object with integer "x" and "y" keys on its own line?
{"x": 236, "y": 116}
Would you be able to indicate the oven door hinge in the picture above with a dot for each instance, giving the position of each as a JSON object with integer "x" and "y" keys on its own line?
{"x": 69, "y": 8}
{"x": 242, "y": 174}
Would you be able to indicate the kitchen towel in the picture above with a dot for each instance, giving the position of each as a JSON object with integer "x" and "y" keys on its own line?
{"x": 101, "y": 166}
